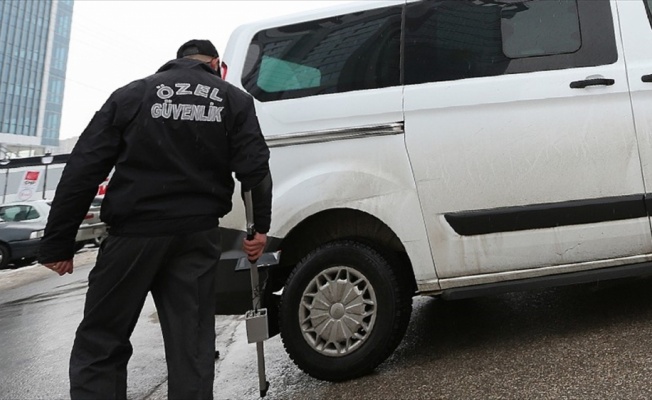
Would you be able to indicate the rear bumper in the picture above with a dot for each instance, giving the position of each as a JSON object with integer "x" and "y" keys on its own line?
{"x": 24, "y": 248}
{"x": 90, "y": 232}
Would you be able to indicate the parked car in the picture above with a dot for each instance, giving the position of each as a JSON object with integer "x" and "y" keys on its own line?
{"x": 22, "y": 225}
{"x": 19, "y": 242}
{"x": 93, "y": 218}
{"x": 441, "y": 148}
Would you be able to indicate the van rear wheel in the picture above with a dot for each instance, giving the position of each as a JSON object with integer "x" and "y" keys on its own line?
{"x": 342, "y": 312}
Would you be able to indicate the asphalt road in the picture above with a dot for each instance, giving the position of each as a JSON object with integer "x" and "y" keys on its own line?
{"x": 580, "y": 342}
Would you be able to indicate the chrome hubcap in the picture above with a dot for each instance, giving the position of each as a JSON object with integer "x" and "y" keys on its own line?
{"x": 337, "y": 311}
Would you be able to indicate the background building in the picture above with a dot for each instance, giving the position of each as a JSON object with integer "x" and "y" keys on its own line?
{"x": 34, "y": 42}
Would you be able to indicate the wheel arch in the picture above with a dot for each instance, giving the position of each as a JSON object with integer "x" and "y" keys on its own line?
{"x": 339, "y": 224}
{"x": 3, "y": 262}
{"x": 6, "y": 245}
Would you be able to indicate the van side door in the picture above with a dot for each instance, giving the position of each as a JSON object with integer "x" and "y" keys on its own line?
{"x": 521, "y": 137}
{"x": 636, "y": 28}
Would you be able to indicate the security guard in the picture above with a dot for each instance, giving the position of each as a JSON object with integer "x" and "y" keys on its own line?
{"x": 174, "y": 139}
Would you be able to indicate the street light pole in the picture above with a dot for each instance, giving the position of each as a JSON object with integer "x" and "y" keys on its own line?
{"x": 46, "y": 160}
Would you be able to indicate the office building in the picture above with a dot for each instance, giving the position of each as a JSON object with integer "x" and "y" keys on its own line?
{"x": 34, "y": 42}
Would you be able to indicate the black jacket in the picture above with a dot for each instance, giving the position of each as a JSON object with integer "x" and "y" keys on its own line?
{"x": 174, "y": 138}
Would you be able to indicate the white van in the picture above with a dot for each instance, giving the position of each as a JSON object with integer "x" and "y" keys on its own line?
{"x": 448, "y": 148}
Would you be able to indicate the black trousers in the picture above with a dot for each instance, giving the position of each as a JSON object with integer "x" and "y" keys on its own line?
{"x": 180, "y": 272}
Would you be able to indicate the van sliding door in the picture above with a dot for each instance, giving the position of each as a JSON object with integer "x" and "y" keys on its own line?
{"x": 521, "y": 137}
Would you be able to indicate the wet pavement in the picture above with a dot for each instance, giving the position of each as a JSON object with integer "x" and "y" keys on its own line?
{"x": 39, "y": 312}
{"x": 579, "y": 342}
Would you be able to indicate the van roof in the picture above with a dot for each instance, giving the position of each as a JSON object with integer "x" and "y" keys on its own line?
{"x": 323, "y": 12}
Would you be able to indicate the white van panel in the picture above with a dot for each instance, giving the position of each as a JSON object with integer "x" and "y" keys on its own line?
{"x": 376, "y": 178}
{"x": 637, "y": 38}
{"x": 484, "y": 255}
{"x": 518, "y": 140}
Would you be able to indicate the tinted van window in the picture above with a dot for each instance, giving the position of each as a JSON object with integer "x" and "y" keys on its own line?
{"x": 457, "y": 39}
{"x": 340, "y": 54}
{"x": 540, "y": 28}
{"x": 648, "y": 7}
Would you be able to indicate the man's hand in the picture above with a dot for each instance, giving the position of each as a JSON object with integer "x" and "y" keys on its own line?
{"x": 254, "y": 247}
{"x": 61, "y": 267}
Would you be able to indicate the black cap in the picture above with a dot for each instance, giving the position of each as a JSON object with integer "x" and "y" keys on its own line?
{"x": 197, "y": 46}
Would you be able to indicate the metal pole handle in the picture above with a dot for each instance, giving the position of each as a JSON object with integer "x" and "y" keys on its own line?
{"x": 249, "y": 214}
{"x": 263, "y": 385}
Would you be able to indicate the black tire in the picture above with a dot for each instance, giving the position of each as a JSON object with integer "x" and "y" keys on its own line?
{"x": 307, "y": 305}
{"x": 5, "y": 256}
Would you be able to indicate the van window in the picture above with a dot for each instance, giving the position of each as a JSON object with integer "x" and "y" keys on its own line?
{"x": 648, "y": 7}
{"x": 457, "y": 39}
{"x": 279, "y": 75}
{"x": 333, "y": 55}
{"x": 540, "y": 28}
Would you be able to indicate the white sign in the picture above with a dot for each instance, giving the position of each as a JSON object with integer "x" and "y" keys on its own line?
{"x": 29, "y": 185}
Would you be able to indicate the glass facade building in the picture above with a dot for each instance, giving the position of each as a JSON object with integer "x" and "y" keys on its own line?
{"x": 34, "y": 42}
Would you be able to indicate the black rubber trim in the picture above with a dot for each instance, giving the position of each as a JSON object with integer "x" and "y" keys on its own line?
{"x": 550, "y": 215}
{"x": 572, "y": 278}
{"x": 34, "y": 161}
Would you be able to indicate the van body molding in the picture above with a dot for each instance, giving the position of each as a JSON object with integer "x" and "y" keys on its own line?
{"x": 541, "y": 216}
{"x": 332, "y": 135}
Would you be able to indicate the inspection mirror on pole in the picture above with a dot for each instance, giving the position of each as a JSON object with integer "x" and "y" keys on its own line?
{"x": 256, "y": 318}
